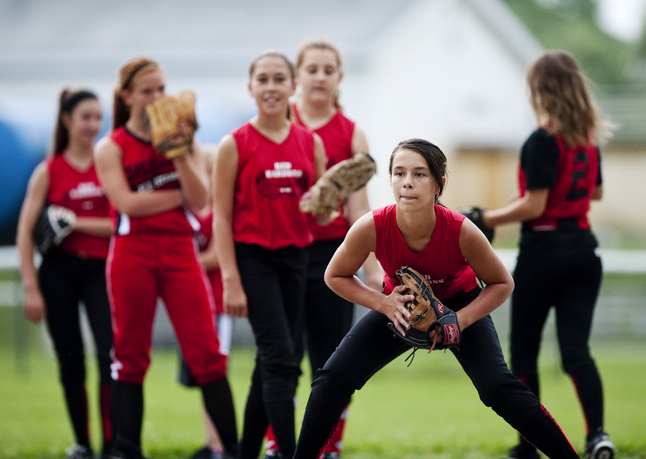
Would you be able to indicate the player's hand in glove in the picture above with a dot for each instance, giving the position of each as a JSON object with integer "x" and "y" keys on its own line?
{"x": 431, "y": 324}
{"x": 173, "y": 124}
{"x": 54, "y": 224}
{"x": 331, "y": 191}
{"x": 475, "y": 215}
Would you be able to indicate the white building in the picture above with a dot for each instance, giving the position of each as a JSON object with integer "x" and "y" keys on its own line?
{"x": 450, "y": 71}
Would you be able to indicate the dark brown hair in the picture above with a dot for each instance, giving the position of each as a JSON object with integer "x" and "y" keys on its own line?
{"x": 68, "y": 101}
{"x": 127, "y": 72}
{"x": 435, "y": 159}
{"x": 326, "y": 46}
{"x": 561, "y": 100}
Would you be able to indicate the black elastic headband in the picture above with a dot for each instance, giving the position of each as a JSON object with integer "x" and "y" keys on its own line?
{"x": 73, "y": 100}
{"x": 132, "y": 75}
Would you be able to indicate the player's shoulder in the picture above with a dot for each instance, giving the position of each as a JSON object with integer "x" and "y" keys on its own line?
{"x": 107, "y": 142}
{"x": 228, "y": 140}
{"x": 42, "y": 169}
{"x": 541, "y": 144}
{"x": 229, "y": 148}
{"x": 541, "y": 138}
{"x": 106, "y": 150}
{"x": 364, "y": 229}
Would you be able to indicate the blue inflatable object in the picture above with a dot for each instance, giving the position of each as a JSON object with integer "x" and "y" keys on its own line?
{"x": 23, "y": 146}
{"x": 18, "y": 162}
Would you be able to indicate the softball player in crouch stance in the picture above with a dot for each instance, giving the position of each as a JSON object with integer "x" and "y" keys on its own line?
{"x": 153, "y": 255}
{"x": 450, "y": 251}
{"x": 76, "y": 270}
{"x": 261, "y": 171}
{"x": 558, "y": 263}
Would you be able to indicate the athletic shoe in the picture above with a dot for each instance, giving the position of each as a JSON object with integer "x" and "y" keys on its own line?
{"x": 79, "y": 452}
{"x": 600, "y": 447}
{"x": 518, "y": 453}
{"x": 330, "y": 455}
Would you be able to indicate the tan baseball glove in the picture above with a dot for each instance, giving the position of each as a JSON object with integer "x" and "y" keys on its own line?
{"x": 173, "y": 123}
{"x": 331, "y": 191}
{"x": 427, "y": 314}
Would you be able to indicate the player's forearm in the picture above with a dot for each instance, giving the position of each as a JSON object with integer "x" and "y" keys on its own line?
{"x": 27, "y": 267}
{"x": 225, "y": 250}
{"x": 95, "y": 226}
{"x": 25, "y": 246}
{"x": 193, "y": 181}
{"x": 352, "y": 289}
{"x": 530, "y": 206}
{"x": 209, "y": 257}
{"x": 148, "y": 203}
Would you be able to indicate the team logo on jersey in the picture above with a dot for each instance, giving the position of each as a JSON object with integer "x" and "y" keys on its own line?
{"x": 282, "y": 181}
{"x": 85, "y": 190}
{"x": 158, "y": 181}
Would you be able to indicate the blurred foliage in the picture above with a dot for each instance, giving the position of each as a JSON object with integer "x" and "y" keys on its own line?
{"x": 570, "y": 25}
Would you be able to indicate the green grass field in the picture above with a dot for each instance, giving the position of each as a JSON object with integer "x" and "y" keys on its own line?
{"x": 429, "y": 409}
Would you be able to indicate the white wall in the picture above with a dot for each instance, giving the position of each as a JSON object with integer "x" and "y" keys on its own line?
{"x": 441, "y": 74}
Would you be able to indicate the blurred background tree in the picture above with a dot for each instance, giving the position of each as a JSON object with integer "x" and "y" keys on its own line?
{"x": 571, "y": 25}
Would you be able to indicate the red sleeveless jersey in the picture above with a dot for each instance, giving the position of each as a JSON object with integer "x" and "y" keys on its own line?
{"x": 80, "y": 192}
{"x": 337, "y": 139}
{"x": 204, "y": 237}
{"x": 573, "y": 180}
{"x": 441, "y": 261}
{"x": 271, "y": 180}
{"x": 148, "y": 170}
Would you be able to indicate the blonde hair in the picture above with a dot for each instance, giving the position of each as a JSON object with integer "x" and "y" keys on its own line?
{"x": 562, "y": 102}
{"x": 326, "y": 46}
{"x": 127, "y": 73}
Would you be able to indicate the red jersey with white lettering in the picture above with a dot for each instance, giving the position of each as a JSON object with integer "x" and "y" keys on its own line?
{"x": 271, "y": 179}
{"x": 148, "y": 170}
{"x": 81, "y": 192}
{"x": 441, "y": 261}
{"x": 337, "y": 139}
{"x": 204, "y": 237}
{"x": 570, "y": 173}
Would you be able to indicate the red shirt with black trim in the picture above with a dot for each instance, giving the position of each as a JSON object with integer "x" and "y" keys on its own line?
{"x": 336, "y": 135}
{"x": 81, "y": 192}
{"x": 570, "y": 173}
{"x": 272, "y": 178}
{"x": 441, "y": 261}
{"x": 148, "y": 170}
